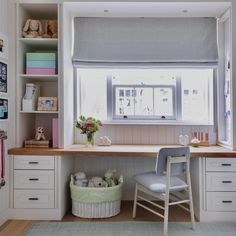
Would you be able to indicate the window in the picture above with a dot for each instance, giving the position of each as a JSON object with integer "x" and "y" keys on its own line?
{"x": 155, "y": 95}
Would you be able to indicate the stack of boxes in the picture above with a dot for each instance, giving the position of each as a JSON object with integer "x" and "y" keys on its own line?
{"x": 41, "y": 63}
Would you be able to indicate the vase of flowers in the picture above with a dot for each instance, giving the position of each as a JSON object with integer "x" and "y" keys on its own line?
{"x": 88, "y": 126}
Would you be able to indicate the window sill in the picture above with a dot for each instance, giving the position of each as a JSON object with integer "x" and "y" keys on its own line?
{"x": 146, "y": 122}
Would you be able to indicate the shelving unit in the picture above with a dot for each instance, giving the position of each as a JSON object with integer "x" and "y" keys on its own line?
{"x": 26, "y": 122}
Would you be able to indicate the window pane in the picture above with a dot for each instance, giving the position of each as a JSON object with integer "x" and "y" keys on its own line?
{"x": 196, "y": 96}
{"x": 144, "y": 102}
{"x": 93, "y": 93}
{"x": 164, "y": 102}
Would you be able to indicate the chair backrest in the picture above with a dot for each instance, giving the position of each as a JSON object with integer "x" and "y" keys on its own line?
{"x": 161, "y": 161}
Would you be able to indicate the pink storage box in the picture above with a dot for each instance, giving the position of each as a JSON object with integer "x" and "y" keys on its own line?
{"x": 41, "y": 71}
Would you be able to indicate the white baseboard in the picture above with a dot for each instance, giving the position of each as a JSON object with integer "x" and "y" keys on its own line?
{"x": 34, "y": 214}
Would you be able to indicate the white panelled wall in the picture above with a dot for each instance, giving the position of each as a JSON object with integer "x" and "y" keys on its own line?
{"x": 4, "y": 192}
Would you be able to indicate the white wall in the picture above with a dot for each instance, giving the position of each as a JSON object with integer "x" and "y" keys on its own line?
{"x": 4, "y": 192}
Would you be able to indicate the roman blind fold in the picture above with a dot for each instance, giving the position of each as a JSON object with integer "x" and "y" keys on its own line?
{"x": 144, "y": 40}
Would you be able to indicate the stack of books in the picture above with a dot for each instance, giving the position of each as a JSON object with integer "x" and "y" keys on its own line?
{"x": 37, "y": 143}
{"x": 41, "y": 63}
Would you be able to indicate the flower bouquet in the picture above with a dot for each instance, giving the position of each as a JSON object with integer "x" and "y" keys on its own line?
{"x": 88, "y": 126}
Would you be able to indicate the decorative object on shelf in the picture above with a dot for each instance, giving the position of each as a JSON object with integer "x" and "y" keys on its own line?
{"x": 97, "y": 182}
{"x": 195, "y": 142}
{"x": 50, "y": 29}
{"x": 47, "y": 104}
{"x": 32, "y": 29}
{"x": 3, "y": 109}
{"x": 184, "y": 140}
{"x": 39, "y": 133}
{"x": 104, "y": 141}
{"x": 88, "y": 126}
{"x": 3, "y": 77}
{"x": 3, "y": 46}
{"x": 203, "y": 138}
{"x": 55, "y": 135}
{"x": 3, "y": 136}
{"x": 80, "y": 179}
{"x": 41, "y": 63}
{"x": 29, "y": 100}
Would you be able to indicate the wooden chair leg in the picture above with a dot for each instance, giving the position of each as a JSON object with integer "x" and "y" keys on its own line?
{"x": 135, "y": 200}
{"x": 166, "y": 216}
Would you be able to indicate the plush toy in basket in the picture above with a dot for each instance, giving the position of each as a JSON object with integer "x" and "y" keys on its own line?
{"x": 97, "y": 197}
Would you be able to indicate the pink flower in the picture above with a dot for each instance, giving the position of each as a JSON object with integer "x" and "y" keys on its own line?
{"x": 89, "y": 124}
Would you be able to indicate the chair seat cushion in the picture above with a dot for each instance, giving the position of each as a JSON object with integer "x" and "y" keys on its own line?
{"x": 157, "y": 183}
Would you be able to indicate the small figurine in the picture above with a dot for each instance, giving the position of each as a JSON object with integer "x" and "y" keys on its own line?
{"x": 32, "y": 29}
{"x": 40, "y": 134}
{"x": 50, "y": 29}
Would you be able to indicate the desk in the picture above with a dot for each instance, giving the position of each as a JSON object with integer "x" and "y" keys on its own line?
{"x": 79, "y": 150}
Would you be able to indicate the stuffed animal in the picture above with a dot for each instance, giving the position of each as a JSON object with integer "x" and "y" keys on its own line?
{"x": 50, "y": 29}
{"x": 110, "y": 178}
{"x": 80, "y": 179}
{"x": 32, "y": 29}
{"x": 40, "y": 134}
{"x": 97, "y": 182}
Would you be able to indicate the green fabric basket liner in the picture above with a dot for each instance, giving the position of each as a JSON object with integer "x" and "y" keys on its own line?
{"x": 95, "y": 195}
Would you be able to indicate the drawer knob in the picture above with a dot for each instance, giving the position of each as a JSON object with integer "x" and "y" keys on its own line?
{"x": 33, "y": 162}
{"x": 226, "y": 164}
{"x": 33, "y": 179}
{"x": 226, "y": 201}
{"x": 33, "y": 199}
{"x": 226, "y": 182}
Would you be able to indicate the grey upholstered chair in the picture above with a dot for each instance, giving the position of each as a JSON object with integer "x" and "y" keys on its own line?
{"x": 170, "y": 182}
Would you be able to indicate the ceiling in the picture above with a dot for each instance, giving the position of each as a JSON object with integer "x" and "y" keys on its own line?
{"x": 147, "y": 9}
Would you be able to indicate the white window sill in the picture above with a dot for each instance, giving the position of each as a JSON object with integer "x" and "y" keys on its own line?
{"x": 151, "y": 122}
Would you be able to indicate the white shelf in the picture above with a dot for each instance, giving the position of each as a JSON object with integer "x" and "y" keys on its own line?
{"x": 39, "y": 41}
{"x": 39, "y": 112}
{"x": 40, "y": 77}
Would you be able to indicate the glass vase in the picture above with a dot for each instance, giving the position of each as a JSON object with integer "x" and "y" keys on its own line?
{"x": 90, "y": 140}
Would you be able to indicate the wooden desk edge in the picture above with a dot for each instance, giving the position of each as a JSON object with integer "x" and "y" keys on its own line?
{"x": 208, "y": 152}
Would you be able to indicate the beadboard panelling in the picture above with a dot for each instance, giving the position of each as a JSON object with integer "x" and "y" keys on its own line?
{"x": 125, "y": 166}
{"x": 147, "y": 134}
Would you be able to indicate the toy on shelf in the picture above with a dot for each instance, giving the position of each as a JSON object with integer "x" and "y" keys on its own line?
{"x": 50, "y": 29}
{"x": 39, "y": 141}
{"x": 104, "y": 141}
{"x": 31, "y": 97}
{"x": 32, "y": 29}
{"x": 80, "y": 179}
{"x": 200, "y": 138}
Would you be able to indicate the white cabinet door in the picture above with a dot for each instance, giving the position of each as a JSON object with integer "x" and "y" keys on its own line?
{"x": 220, "y": 164}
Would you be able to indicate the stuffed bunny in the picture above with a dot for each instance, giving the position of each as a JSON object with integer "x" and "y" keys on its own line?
{"x": 32, "y": 29}
{"x": 40, "y": 134}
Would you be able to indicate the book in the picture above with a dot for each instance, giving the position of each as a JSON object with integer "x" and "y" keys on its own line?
{"x": 37, "y": 143}
{"x": 55, "y": 137}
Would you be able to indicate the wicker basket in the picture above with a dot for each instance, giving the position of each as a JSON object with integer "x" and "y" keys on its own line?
{"x": 90, "y": 202}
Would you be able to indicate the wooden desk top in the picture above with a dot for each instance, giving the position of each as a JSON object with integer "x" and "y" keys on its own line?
{"x": 120, "y": 151}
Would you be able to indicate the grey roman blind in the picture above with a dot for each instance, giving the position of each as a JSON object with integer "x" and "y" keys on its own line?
{"x": 144, "y": 40}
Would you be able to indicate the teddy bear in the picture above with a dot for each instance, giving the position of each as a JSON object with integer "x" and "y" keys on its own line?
{"x": 39, "y": 135}
{"x": 97, "y": 182}
{"x": 50, "y": 29}
{"x": 110, "y": 178}
{"x": 80, "y": 179}
{"x": 32, "y": 29}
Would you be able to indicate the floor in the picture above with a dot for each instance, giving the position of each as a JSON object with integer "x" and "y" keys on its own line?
{"x": 18, "y": 227}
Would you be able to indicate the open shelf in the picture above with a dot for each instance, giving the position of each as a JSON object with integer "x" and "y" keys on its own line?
{"x": 39, "y": 77}
{"x": 39, "y": 41}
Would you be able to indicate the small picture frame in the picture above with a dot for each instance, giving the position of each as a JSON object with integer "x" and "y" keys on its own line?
{"x": 47, "y": 104}
{"x": 3, "y": 77}
{"x": 3, "y": 109}
{"x": 3, "y": 46}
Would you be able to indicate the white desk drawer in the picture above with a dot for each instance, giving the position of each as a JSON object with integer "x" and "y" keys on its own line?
{"x": 34, "y": 162}
{"x": 220, "y": 164}
{"x": 220, "y": 181}
{"x": 34, "y": 179}
{"x": 221, "y": 201}
{"x": 34, "y": 199}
